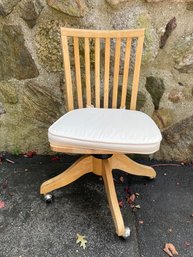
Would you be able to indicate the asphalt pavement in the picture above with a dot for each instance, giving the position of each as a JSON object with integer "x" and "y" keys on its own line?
{"x": 157, "y": 211}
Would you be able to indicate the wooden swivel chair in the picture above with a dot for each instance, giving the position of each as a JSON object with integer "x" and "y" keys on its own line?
{"x": 98, "y": 127}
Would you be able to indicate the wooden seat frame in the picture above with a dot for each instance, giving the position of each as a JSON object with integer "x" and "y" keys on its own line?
{"x": 88, "y": 163}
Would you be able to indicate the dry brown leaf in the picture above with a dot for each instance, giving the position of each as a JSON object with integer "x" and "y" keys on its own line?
{"x": 170, "y": 249}
{"x": 187, "y": 244}
{"x": 121, "y": 179}
{"x": 131, "y": 198}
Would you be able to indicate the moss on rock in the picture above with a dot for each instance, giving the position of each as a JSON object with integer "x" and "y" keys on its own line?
{"x": 183, "y": 54}
{"x": 163, "y": 117}
{"x": 151, "y": 43}
{"x": 48, "y": 46}
{"x": 8, "y": 93}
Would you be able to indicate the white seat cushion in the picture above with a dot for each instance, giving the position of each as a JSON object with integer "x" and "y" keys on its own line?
{"x": 106, "y": 129}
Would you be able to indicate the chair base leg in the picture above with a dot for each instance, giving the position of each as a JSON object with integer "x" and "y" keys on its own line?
{"x": 75, "y": 171}
{"x": 101, "y": 167}
{"x": 112, "y": 198}
{"x": 124, "y": 163}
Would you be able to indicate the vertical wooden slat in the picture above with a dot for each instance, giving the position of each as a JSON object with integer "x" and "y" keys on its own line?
{"x": 136, "y": 73}
{"x": 67, "y": 73}
{"x": 78, "y": 72}
{"x": 87, "y": 71}
{"x": 97, "y": 72}
{"x": 116, "y": 72}
{"x": 106, "y": 73}
{"x": 125, "y": 72}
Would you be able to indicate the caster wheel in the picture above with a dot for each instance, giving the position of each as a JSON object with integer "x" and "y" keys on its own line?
{"x": 48, "y": 198}
{"x": 127, "y": 233}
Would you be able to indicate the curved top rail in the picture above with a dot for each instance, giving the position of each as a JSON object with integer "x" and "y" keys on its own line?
{"x": 72, "y": 32}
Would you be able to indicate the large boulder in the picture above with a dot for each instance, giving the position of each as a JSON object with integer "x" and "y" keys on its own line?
{"x": 15, "y": 59}
{"x": 183, "y": 54}
{"x": 6, "y": 6}
{"x": 177, "y": 141}
{"x": 39, "y": 103}
{"x": 151, "y": 40}
{"x": 164, "y": 117}
{"x": 70, "y": 7}
{"x": 30, "y": 10}
{"x": 155, "y": 86}
{"x": 49, "y": 46}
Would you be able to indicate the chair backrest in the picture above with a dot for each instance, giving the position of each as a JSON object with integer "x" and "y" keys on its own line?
{"x": 98, "y": 43}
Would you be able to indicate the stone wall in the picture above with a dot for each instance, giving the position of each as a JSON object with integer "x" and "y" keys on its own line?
{"x": 31, "y": 75}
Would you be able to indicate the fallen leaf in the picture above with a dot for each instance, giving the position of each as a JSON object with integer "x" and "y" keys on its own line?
{"x": 137, "y": 206}
{"x": 141, "y": 221}
{"x": 2, "y": 204}
{"x": 170, "y": 230}
{"x": 128, "y": 190}
{"x": 130, "y": 199}
{"x": 30, "y": 154}
{"x": 81, "y": 239}
{"x": 121, "y": 179}
{"x": 55, "y": 158}
{"x": 170, "y": 249}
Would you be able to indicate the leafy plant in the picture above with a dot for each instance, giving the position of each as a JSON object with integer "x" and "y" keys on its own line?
{"x": 16, "y": 151}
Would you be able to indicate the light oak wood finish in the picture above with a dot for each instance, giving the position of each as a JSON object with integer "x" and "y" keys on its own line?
{"x": 136, "y": 73}
{"x": 122, "y": 162}
{"x": 125, "y": 72}
{"x": 78, "y": 169}
{"x": 112, "y": 197}
{"x": 67, "y": 72}
{"x": 106, "y": 73}
{"x": 119, "y": 37}
{"x": 116, "y": 72}
{"x": 118, "y": 161}
{"x": 102, "y": 168}
{"x": 78, "y": 71}
{"x": 97, "y": 72}
{"x": 70, "y": 32}
{"x": 87, "y": 71}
